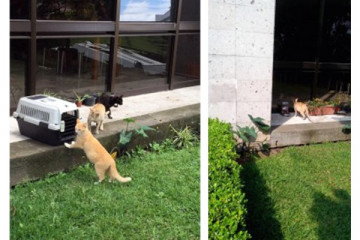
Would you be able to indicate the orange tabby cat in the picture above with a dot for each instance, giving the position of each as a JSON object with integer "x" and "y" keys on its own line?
{"x": 96, "y": 153}
{"x": 97, "y": 115}
{"x": 302, "y": 109}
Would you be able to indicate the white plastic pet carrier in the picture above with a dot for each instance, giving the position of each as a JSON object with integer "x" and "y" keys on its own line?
{"x": 47, "y": 119}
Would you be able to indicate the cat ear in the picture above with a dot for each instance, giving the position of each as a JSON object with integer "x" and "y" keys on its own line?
{"x": 78, "y": 120}
{"x": 85, "y": 125}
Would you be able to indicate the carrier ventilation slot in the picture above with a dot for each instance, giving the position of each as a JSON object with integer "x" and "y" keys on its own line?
{"x": 35, "y": 113}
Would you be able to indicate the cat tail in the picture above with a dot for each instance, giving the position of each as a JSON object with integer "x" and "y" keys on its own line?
{"x": 115, "y": 175}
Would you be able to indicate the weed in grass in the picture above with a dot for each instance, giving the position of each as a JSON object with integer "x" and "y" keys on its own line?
{"x": 126, "y": 136}
{"x": 184, "y": 138}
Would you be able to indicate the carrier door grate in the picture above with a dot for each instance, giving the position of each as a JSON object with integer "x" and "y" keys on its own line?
{"x": 70, "y": 122}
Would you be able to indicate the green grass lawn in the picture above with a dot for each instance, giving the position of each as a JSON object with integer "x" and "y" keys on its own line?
{"x": 161, "y": 202}
{"x": 300, "y": 193}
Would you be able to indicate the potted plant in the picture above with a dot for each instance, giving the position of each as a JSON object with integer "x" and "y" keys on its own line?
{"x": 79, "y": 99}
{"x": 321, "y": 107}
{"x": 90, "y": 100}
{"x": 345, "y": 107}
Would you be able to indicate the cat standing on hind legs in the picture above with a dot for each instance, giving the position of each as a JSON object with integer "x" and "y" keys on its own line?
{"x": 96, "y": 153}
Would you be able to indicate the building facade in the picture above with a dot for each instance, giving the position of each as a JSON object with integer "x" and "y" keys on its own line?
{"x": 262, "y": 52}
{"x": 128, "y": 47}
{"x": 241, "y": 45}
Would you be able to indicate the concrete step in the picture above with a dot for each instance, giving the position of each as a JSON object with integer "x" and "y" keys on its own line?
{"x": 31, "y": 160}
{"x": 299, "y": 134}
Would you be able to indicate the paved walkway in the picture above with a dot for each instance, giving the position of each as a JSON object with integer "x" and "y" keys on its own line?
{"x": 135, "y": 106}
{"x": 278, "y": 119}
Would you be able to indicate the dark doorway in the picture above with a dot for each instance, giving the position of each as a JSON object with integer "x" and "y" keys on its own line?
{"x": 312, "y": 50}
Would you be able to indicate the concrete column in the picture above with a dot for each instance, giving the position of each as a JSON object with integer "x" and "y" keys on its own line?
{"x": 241, "y": 43}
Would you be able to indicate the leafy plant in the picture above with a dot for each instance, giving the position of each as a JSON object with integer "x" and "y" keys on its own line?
{"x": 126, "y": 136}
{"x": 248, "y": 136}
{"x": 49, "y": 93}
{"x": 79, "y": 97}
{"x": 156, "y": 147}
{"x": 317, "y": 102}
{"x": 227, "y": 202}
{"x": 184, "y": 138}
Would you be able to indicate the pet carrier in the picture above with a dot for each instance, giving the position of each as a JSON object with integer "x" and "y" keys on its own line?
{"x": 46, "y": 119}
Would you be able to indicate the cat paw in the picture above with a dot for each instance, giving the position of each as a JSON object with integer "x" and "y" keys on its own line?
{"x": 67, "y": 145}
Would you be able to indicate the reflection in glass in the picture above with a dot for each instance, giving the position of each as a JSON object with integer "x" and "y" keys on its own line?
{"x": 188, "y": 58}
{"x": 65, "y": 65}
{"x": 18, "y": 60}
{"x": 147, "y": 10}
{"x": 296, "y": 32}
{"x": 19, "y": 9}
{"x": 190, "y": 10}
{"x": 337, "y": 32}
{"x": 91, "y": 10}
{"x": 142, "y": 62}
{"x": 297, "y": 49}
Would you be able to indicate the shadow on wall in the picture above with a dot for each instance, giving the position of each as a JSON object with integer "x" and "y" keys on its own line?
{"x": 332, "y": 215}
{"x": 261, "y": 222}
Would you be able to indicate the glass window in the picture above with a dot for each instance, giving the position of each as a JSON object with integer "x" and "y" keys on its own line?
{"x": 68, "y": 65}
{"x": 19, "y": 9}
{"x": 296, "y": 48}
{"x": 188, "y": 58}
{"x": 91, "y": 10}
{"x": 147, "y": 10}
{"x": 142, "y": 62}
{"x": 190, "y": 10}
{"x": 18, "y": 61}
{"x": 296, "y": 32}
{"x": 337, "y": 32}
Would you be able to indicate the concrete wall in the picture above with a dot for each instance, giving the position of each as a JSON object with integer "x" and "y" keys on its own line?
{"x": 241, "y": 43}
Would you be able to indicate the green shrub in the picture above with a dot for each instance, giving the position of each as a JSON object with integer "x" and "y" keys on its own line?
{"x": 227, "y": 209}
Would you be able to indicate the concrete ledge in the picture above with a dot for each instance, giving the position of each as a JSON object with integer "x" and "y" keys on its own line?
{"x": 299, "y": 134}
{"x": 31, "y": 160}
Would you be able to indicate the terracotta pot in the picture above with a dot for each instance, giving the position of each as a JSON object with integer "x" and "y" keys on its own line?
{"x": 78, "y": 103}
{"x": 323, "y": 110}
{"x": 315, "y": 112}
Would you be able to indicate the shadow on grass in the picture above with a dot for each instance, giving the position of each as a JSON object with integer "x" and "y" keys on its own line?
{"x": 261, "y": 222}
{"x": 332, "y": 214}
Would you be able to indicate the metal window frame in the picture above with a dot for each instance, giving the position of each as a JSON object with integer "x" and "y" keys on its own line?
{"x": 34, "y": 29}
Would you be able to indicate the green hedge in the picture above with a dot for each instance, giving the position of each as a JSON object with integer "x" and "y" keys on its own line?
{"x": 227, "y": 209}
